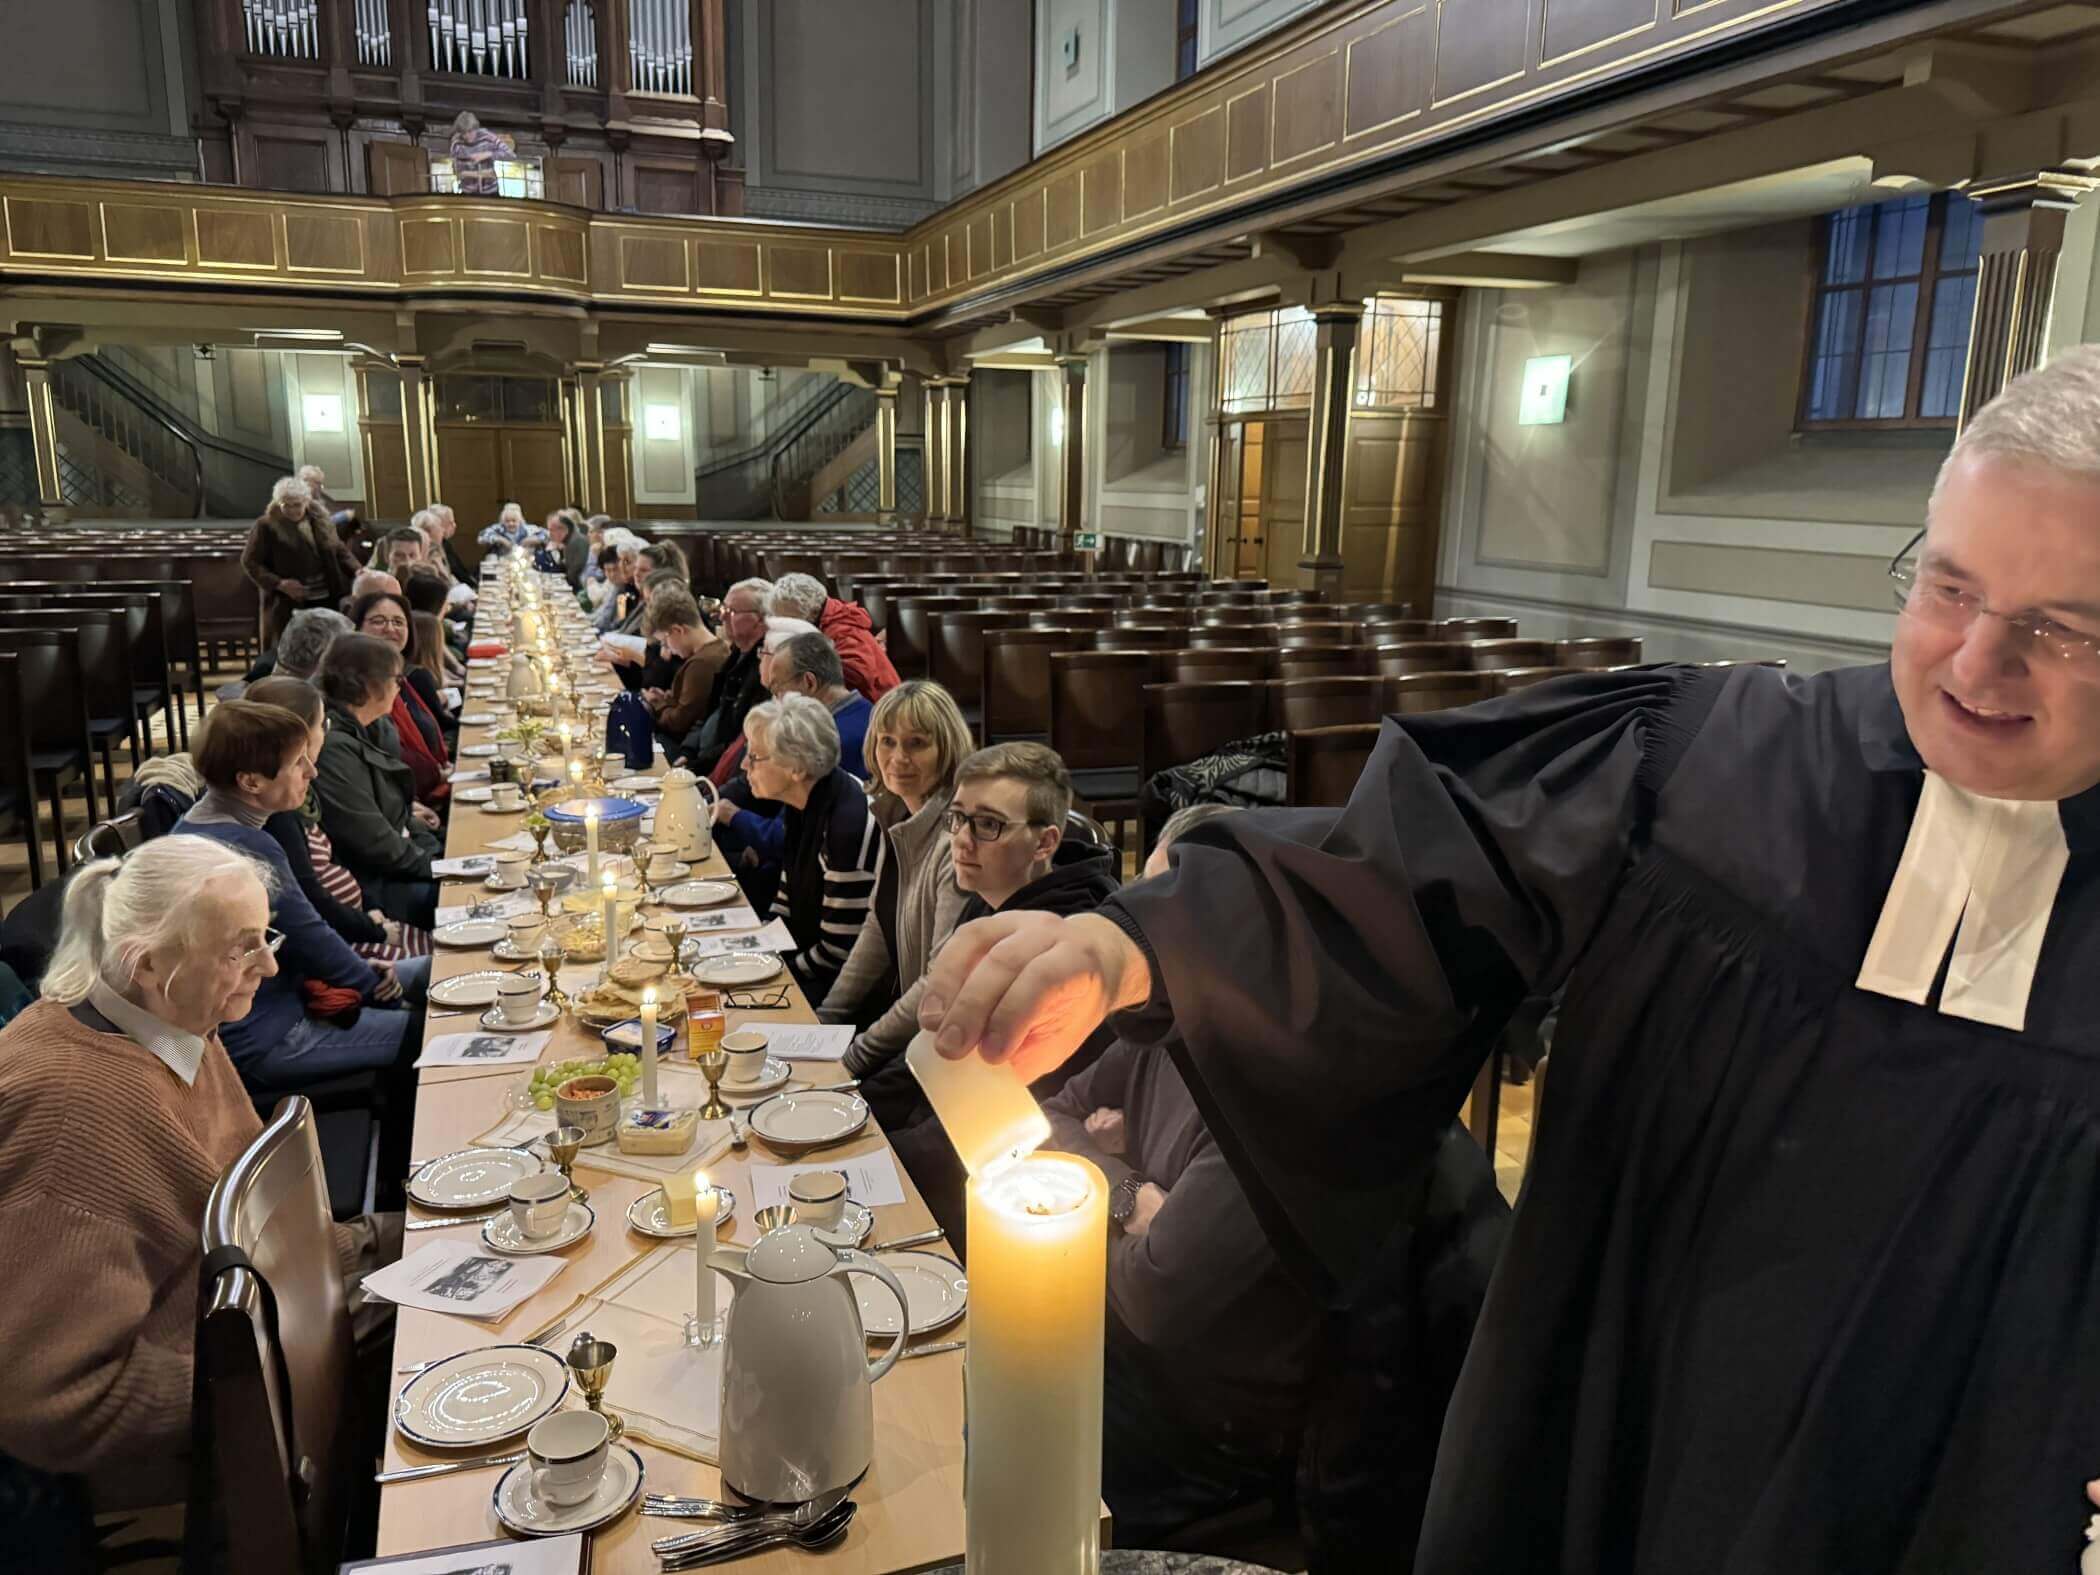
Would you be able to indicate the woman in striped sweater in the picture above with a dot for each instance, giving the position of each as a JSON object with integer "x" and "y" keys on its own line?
{"x": 834, "y": 849}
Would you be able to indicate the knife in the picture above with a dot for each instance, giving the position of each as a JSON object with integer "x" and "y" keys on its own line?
{"x": 445, "y": 1468}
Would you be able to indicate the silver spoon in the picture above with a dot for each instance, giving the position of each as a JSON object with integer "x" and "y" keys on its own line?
{"x": 803, "y": 1517}
{"x": 445, "y": 1468}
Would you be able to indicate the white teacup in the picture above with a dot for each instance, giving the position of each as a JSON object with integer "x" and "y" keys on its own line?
{"x": 506, "y": 795}
{"x": 539, "y": 1203}
{"x": 527, "y": 930}
{"x": 509, "y": 871}
{"x": 567, "y": 1452}
{"x": 747, "y": 1054}
{"x": 663, "y": 867}
{"x": 518, "y": 996}
{"x": 819, "y": 1197}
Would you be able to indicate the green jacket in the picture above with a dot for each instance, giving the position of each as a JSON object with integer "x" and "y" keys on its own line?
{"x": 365, "y": 790}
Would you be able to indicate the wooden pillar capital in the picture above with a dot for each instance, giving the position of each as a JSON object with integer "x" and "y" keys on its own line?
{"x": 2023, "y": 233}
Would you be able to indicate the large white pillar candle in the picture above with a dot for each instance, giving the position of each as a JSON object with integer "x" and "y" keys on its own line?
{"x": 649, "y": 1101}
{"x": 706, "y": 1202}
{"x": 612, "y": 922}
{"x": 1032, "y": 1380}
{"x": 590, "y": 827}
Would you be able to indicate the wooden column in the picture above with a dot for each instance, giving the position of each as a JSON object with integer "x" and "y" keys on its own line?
{"x": 1071, "y": 463}
{"x": 419, "y": 433}
{"x": 960, "y": 511}
{"x": 43, "y": 432}
{"x": 591, "y": 489}
{"x": 886, "y": 452}
{"x": 1327, "y": 442}
{"x": 2023, "y": 232}
{"x": 936, "y": 453}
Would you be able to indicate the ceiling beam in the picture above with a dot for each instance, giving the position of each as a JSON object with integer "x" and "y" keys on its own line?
{"x": 1494, "y": 271}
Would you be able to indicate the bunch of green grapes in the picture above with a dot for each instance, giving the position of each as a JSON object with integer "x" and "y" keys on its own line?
{"x": 622, "y": 1067}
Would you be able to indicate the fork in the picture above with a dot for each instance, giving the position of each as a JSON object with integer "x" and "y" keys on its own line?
{"x": 752, "y": 1536}
{"x": 745, "y": 1520}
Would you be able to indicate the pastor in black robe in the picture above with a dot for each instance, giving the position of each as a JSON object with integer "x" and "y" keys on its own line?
{"x": 1805, "y": 1278}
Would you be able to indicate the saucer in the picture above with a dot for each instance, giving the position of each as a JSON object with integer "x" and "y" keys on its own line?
{"x": 494, "y": 1020}
{"x": 650, "y": 1215}
{"x": 489, "y": 880}
{"x": 855, "y": 1221}
{"x": 500, "y": 1233}
{"x": 770, "y": 1076}
{"x": 520, "y": 1511}
{"x": 510, "y": 953}
{"x": 493, "y": 808}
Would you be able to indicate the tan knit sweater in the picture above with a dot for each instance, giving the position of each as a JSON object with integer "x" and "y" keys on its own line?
{"x": 106, "y": 1160}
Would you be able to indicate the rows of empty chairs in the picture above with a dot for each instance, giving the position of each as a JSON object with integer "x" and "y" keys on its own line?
{"x": 101, "y": 633}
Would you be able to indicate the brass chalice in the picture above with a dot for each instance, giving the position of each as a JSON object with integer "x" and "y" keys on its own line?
{"x": 554, "y": 953}
{"x": 712, "y": 1067}
{"x": 590, "y": 1363}
{"x": 562, "y": 1144}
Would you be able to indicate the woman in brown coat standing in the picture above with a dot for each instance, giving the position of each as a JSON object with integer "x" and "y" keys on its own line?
{"x": 295, "y": 556}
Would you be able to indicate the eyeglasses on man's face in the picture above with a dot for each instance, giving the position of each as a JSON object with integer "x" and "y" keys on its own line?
{"x": 1924, "y": 593}
{"x": 984, "y": 826}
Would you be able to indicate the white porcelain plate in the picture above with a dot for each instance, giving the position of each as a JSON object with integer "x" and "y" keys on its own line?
{"x": 471, "y": 1178}
{"x": 638, "y": 784}
{"x": 478, "y": 751}
{"x": 470, "y": 795}
{"x": 478, "y": 718}
{"x": 469, "y": 932}
{"x": 935, "y": 1290}
{"x": 501, "y": 1234}
{"x": 650, "y": 1214}
{"x": 617, "y": 1490}
{"x": 770, "y": 1077}
{"x": 479, "y": 1397}
{"x": 809, "y": 1118}
{"x": 855, "y": 1221}
{"x": 702, "y": 894}
{"x": 732, "y": 970}
{"x": 468, "y": 989}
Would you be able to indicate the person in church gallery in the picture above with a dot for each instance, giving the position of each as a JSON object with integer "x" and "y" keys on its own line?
{"x": 1804, "y": 1274}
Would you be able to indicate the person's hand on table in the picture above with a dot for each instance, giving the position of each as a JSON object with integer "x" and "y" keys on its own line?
{"x": 427, "y": 815}
{"x": 654, "y": 698}
{"x": 725, "y": 812}
{"x": 295, "y": 589}
{"x": 389, "y": 987}
{"x": 1105, "y": 1127}
{"x": 1030, "y": 987}
{"x": 1151, "y": 1198}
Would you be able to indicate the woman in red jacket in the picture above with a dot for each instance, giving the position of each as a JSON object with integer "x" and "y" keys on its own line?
{"x": 385, "y": 616}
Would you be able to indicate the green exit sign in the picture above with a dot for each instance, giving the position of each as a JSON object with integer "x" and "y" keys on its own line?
{"x": 1086, "y": 541}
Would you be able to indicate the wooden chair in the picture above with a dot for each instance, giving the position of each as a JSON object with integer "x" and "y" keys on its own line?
{"x": 1097, "y": 719}
{"x": 1122, "y": 637}
{"x": 1026, "y": 603}
{"x": 152, "y": 682}
{"x": 1322, "y": 661}
{"x": 1281, "y": 598}
{"x": 955, "y": 653}
{"x": 1234, "y": 634}
{"x": 1610, "y": 651}
{"x": 1016, "y": 683}
{"x": 1478, "y": 629}
{"x": 1417, "y": 692}
{"x": 1324, "y": 763}
{"x": 1419, "y": 656}
{"x": 1388, "y": 631}
{"x": 102, "y": 644}
{"x": 879, "y": 599}
{"x": 270, "y": 1439}
{"x": 1094, "y": 601}
{"x": 110, "y": 839}
{"x": 1376, "y": 612}
{"x": 1301, "y": 704}
{"x": 229, "y": 606}
{"x": 1238, "y": 612}
{"x": 1487, "y": 655}
{"x": 1309, "y": 633}
{"x": 1212, "y": 663}
{"x": 911, "y": 630}
{"x": 18, "y": 781}
{"x": 1072, "y": 618}
{"x": 1185, "y": 722}
{"x": 1509, "y": 678}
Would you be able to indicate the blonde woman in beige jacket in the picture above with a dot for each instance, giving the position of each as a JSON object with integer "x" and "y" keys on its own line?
{"x": 916, "y": 740}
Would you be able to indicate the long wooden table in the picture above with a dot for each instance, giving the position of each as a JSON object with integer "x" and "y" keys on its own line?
{"x": 911, "y": 1503}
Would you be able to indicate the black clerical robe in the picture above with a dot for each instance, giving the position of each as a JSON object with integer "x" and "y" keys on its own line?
{"x": 1806, "y": 1278}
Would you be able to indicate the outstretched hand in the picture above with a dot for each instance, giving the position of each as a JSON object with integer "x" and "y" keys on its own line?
{"x": 1030, "y": 987}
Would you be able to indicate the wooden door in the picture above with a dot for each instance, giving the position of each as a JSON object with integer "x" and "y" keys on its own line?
{"x": 1391, "y": 505}
{"x": 392, "y": 168}
{"x": 470, "y": 473}
{"x": 386, "y": 469}
{"x": 535, "y": 471}
{"x": 1282, "y": 500}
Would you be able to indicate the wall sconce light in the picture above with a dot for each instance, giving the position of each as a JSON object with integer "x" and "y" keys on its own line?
{"x": 1545, "y": 399}
{"x": 322, "y": 412}
{"x": 660, "y": 423}
{"x": 1057, "y": 425}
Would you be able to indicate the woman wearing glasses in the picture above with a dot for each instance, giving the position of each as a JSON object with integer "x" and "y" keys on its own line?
{"x": 313, "y": 1018}
{"x": 834, "y": 848}
{"x": 418, "y": 713}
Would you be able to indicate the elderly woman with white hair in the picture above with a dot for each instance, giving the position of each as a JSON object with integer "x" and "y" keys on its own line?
{"x": 295, "y": 557}
{"x": 511, "y": 531}
{"x": 834, "y": 847}
{"x": 869, "y": 672}
{"x": 123, "y": 1109}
